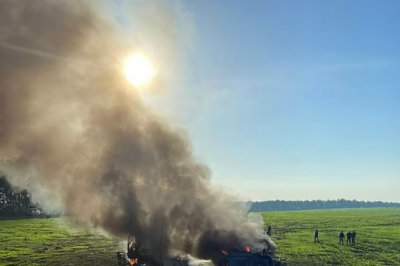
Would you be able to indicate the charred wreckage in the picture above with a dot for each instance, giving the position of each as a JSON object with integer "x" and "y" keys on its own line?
{"x": 139, "y": 256}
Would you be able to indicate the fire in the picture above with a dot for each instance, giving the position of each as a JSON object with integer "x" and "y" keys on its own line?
{"x": 223, "y": 251}
{"x": 248, "y": 249}
{"x": 133, "y": 261}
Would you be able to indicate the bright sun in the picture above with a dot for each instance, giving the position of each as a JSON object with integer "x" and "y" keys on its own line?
{"x": 138, "y": 70}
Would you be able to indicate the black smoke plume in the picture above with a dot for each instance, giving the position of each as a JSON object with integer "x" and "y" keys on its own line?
{"x": 71, "y": 125}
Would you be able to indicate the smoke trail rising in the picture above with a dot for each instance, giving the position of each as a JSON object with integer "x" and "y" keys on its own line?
{"x": 82, "y": 136}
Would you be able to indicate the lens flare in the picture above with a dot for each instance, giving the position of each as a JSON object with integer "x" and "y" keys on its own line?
{"x": 138, "y": 70}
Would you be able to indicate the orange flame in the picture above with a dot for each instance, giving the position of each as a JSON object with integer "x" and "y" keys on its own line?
{"x": 248, "y": 249}
{"x": 223, "y": 251}
{"x": 133, "y": 261}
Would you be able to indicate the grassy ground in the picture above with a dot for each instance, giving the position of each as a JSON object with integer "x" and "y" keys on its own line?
{"x": 51, "y": 242}
{"x": 377, "y": 241}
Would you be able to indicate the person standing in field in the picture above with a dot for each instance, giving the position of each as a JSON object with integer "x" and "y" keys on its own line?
{"x": 316, "y": 239}
{"x": 341, "y": 238}
{"x": 353, "y": 238}
{"x": 349, "y": 238}
{"x": 269, "y": 231}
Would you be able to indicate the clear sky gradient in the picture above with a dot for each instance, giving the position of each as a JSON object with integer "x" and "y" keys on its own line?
{"x": 295, "y": 99}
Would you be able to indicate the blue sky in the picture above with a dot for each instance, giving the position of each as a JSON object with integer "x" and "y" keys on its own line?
{"x": 294, "y": 99}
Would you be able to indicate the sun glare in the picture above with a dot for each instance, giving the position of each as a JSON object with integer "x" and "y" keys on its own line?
{"x": 138, "y": 70}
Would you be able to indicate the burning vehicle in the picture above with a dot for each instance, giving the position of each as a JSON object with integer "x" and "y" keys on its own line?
{"x": 247, "y": 257}
{"x": 137, "y": 255}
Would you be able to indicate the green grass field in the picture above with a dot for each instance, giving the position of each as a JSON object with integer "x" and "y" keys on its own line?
{"x": 377, "y": 240}
{"x": 52, "y": 242}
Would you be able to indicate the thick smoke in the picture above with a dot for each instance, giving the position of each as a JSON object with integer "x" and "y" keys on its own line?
{"x": 70, "y": 124}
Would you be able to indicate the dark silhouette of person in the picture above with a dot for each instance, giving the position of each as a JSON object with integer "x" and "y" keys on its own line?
{"x": 269, "y": 231}
{"x": 349, "y": 238}
{"x": 316, "y": 239}
{"x": 353, "y": 238}
{"x": 341, "y": 238}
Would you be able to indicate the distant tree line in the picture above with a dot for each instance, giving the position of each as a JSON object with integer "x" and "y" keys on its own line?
{"x": 13, "y": 203}
{"x": 284, "y": 205}
{"x": 18, "y": 203}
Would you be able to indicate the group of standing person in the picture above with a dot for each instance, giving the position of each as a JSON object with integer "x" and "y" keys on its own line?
{"x": 351, "y": 237}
